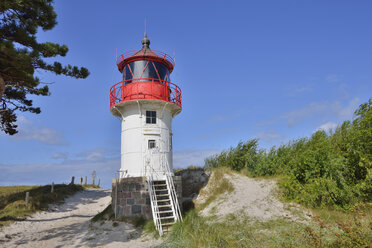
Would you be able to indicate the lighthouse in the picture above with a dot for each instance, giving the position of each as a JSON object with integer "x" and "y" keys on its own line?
{"x": 146, "y": 101}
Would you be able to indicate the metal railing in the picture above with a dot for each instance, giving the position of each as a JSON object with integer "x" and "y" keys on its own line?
{"x": 145, "y": 88}
{"x": 154, "y": 205}
{"x": 172, "y": 190}
{"x": 133, "y": 54}
{"x": 149, "y": 171}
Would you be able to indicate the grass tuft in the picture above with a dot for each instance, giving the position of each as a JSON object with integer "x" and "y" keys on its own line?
{"x": 149, "y": 228}
{"x": 106, "y": 214}
{"x": 241, "y": 231}
{"x": 218, "y": 184}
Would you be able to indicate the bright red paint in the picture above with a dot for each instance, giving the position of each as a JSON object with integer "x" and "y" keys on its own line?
{"x": 145, "y": 88}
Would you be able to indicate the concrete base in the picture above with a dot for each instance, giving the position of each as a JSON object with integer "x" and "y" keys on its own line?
{"x": 133, "y": 199}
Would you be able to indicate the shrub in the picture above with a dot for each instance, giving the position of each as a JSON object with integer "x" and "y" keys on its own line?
{"x": 324, "y": 170}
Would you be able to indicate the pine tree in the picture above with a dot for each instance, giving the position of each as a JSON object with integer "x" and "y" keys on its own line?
{"x": 21, "y": 55}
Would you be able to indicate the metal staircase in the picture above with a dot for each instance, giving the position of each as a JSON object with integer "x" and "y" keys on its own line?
{"x": 164, "y": 201}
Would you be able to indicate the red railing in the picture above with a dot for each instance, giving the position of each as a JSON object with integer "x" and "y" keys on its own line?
{"x": 145, "y": 88}
{"x": 157, "y": 55}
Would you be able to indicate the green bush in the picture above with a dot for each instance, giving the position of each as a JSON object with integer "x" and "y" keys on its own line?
{"x": 324, "y": 170}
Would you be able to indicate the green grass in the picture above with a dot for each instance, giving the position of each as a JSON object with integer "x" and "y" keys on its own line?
{"x": 106, "y": 214}
{"x": 190, "y": 168}
{"x": 12, "y": 200}
{"x": 89, "y": 186}
{"x": 329, "y": 227}
{"x": 7, "y": 190}
{"x": 237, "y": 231}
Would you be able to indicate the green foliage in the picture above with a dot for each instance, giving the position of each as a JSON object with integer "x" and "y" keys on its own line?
{"x": 240, "y": 231}
{"x": 243, "y": 156}
{"x": 12, "y": 200}
{"x": 150, "y": 228}
{"x": 90, "y": 186}
{"x": 106, "y": 214}
{"x": 324, "y": 170}
{"x": 21, "y": 55}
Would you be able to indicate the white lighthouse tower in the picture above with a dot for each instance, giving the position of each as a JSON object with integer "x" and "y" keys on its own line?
{"x": 146, "y": 101}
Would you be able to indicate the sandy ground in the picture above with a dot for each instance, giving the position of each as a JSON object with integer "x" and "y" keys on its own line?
{"x": 255, "y": 198}
{"x": 68, "y": 225}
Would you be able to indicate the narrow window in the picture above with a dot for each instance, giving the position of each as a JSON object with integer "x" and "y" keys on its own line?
{"x": 152, "y": 144}
{"x": 151, "y": 117}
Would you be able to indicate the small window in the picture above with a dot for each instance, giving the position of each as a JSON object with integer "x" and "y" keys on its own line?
{"x": 151, "y": 117}
{"x": 152, "y": 144}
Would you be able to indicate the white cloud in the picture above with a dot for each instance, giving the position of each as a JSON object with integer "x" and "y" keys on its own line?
{"x": 348, "y": 111}
{"x": 333, "y": 78}
{"x": 220, "y": 132}
{"x": 27, "y": 130}
{"x": 322, "y": 112}
{"x": 294, "y": 90}
{"x": 97, "y": 154}
{"x": 327, "y": 126}
{"x": 60, "y": 156}
{"x": 41, "y": 174}
{"x": 183, "y": 159}
{"x": 269, "y": 135}
{"x": 303, "y": 89}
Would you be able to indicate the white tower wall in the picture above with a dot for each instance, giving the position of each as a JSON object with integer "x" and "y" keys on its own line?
{"x": 137, "y": 158}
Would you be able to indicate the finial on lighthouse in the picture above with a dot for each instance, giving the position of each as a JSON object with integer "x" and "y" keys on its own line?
{"x": 145, "y": 40}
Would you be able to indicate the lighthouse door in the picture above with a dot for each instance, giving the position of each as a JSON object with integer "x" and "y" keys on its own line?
{"x": 154, "y": 157}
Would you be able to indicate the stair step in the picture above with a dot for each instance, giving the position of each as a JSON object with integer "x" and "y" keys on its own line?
{"x": 168, "y": 224}
{"x": 163, "y": 206}
{"x": 167, "y": 217}
{"x": 164, "y": 212}
{"x": 160, "y": 185}
{"x": 163, "y": 200}
{"x": 157, "y": 190}
{"x": 162, "y": 195}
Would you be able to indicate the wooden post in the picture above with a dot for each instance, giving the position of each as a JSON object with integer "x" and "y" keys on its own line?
{"x": 99, "y": 182}
{"x": 85, "y": 180}
{"x": 81, "y": 181}
{"x": 72, "y": 181}
{"x": 27, "y": 198}
{"x": 52, "y": 188}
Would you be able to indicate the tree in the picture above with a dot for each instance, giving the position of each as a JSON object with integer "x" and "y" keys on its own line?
{"x": 21, "y": 55}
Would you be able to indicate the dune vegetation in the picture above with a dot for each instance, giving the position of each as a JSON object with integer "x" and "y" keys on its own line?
{"x": 13, "y": 205}
{"x": 329, "y": 173}
{"x": 326, "y": 170}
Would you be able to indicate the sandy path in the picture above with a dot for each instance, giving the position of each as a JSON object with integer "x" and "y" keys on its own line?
{"x": 68, "y": 225}
{"x": 255, "y": 198}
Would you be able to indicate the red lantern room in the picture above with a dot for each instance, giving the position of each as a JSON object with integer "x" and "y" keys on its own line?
{"x": 146, "y": 75}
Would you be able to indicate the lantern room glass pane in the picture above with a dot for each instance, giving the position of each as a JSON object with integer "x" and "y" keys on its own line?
{"x": 138, "y": 69}
{"x": 127, "y": 74}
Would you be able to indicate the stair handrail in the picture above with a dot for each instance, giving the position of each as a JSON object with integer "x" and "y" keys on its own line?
{"x": 154, "y": 205}
{"x": 172, "y": 189}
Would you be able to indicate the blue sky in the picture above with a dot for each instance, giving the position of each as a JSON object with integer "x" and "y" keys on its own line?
{"x": 272, "y": 70}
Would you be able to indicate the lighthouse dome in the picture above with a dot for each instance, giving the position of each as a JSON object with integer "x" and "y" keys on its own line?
{"x": 146, "y": 54}
{"x": 146, "y": 64}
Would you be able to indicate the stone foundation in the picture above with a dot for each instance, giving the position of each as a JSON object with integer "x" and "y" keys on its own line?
{"x": 133, "y": 197}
